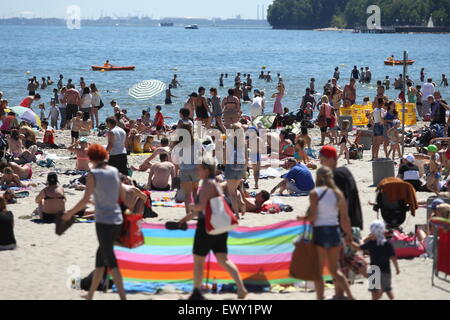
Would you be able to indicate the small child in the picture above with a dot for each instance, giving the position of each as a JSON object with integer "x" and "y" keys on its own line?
{"x": 387, "y": 83}
{"x": 77, "y": 123}
{"x": 312, "y": 86}
{"x": 333, "y": 127}
{"x": 434, "y": 174}
{"x": 53, "y": 115}
{"x": 366, "y": 101}
{"x": 344, "y": 141}
{"x": 444, "y": 81}
{"x": 381, "y": 254}
{"x": 42, "y": 110}
{"x": 158, "y": 122}
{"x": 49, "y": 136}
{"x": 148, "y": 145}
{"x": 394, "y": 139}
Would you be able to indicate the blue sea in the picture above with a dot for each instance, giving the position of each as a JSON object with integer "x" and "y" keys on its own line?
{"x": 198, "y": 57}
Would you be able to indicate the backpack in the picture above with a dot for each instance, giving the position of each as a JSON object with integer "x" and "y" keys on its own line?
{"x": 105, "y": 284}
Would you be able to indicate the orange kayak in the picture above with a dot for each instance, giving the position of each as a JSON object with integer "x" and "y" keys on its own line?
{"x": 100, "y": 68}
{"x": 398, "y": 62}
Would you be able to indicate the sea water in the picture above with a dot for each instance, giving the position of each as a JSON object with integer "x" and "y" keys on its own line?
{"x": 198, "y": 57}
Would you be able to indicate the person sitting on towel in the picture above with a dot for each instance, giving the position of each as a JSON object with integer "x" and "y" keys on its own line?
{"x": 159, "y": 174}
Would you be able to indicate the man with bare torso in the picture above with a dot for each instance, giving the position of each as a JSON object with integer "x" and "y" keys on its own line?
{"x": 350, "y": 93}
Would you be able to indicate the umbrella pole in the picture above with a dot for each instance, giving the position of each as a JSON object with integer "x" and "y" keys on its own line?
{"x": 405, "y": 70}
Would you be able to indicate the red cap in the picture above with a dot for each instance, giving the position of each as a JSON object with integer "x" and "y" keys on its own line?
{"x": 329, "y": 152}
{"x": 447, "y": 154}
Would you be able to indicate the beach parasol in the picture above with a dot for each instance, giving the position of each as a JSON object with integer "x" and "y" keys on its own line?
{"x": 26, "y": 114}
{"x": 147, "y": 89}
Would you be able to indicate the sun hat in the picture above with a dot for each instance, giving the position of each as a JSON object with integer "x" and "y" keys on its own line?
{"x": 410, "y": 158}
{"x": 329, "y": 152}
{"x": 435, "y": 203}
{"x": 432, "y": 148}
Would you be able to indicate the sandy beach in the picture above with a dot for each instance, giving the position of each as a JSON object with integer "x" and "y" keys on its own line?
{"x": 40, "y": 267}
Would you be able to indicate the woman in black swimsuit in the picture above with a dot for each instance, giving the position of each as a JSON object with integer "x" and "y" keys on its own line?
{"x": 51, "y": 199}
{"x": 202, "y": 109}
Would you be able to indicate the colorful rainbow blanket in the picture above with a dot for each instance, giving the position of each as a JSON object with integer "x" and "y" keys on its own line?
{"x": 262, "y": 254}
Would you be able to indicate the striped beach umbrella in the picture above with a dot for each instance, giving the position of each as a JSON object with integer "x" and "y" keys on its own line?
{"x": 147, "y": 89}
{"x": 26, "y": 114}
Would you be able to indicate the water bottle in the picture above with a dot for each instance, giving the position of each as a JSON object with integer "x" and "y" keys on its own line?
{"x": 214, "y": 286}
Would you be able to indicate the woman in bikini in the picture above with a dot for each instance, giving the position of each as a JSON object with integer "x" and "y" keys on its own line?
{"x": 231, "y": 107}
{"x": 80, "y": 149}
{"x": 51, "y": 199}
{"x": 344, "y": 141}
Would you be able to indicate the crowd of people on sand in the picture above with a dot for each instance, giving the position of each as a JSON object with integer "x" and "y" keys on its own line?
{"x": 211, "y": 151}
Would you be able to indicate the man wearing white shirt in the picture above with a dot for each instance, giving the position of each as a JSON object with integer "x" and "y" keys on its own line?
{"x": 428, "y": 89}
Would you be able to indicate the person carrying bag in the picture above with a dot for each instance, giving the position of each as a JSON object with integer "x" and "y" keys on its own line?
{"x": 305, "y": 261}
{"x": 328, "y": 214}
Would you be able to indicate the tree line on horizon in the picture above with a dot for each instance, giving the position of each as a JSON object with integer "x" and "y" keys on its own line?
{"x": 353, "y": 13}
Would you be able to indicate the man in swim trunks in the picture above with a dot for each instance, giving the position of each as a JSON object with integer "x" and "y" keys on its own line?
{"x": 72, "y": 99}
{"x": 350, "y": 93}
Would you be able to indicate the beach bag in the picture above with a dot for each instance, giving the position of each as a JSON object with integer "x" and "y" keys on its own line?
{"x": 131, "y": 235}
{"x": 405, "y": 246}
{"x": 101, "y": 104}
{"x": 219, "y": 218}
{"x": 305, "y": 260}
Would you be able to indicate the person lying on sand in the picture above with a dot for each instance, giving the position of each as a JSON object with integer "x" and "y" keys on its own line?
{"x": 10, "y": 179}
{"x": 25, "y": 172}
{"x": 255, "y": 204}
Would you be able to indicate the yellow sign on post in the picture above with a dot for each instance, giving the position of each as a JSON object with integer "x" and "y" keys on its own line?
{"x": 359, "y": 113}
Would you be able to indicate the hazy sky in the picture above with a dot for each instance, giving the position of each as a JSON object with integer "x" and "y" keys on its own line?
{"x": 154, "y": 8}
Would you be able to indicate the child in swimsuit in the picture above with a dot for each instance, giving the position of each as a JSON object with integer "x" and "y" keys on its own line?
{"x": 76, "y": 127}
{"x": 394, "y": 139}
{"x": 344, "y": 141}
{"x": 148, "y": 145}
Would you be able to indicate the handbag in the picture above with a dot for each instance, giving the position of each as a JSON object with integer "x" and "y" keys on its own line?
{"x": 131, "y": 235}
{"x": 101, "y": 104}
{"x": 305, "y": 261}
{"x": 219, "y": 218}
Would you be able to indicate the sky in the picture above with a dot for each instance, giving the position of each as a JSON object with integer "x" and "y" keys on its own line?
{"x": 152, "y": 8}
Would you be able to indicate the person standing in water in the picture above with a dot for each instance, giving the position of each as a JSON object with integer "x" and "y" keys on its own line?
{"x": 278, "y": 107}
{"x": 169, "y": 95}
{"x": 175, "y": 83}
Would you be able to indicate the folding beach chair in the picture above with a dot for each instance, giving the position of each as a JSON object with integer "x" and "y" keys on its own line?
{"x": 441, "y": 263}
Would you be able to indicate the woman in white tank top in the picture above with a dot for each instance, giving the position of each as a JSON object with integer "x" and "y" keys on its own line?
{"x": 328, "y": 214}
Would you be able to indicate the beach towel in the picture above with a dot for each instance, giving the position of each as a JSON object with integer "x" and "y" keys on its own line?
{"x": 262, "y": 254}
{"x": 140, "y": 154}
